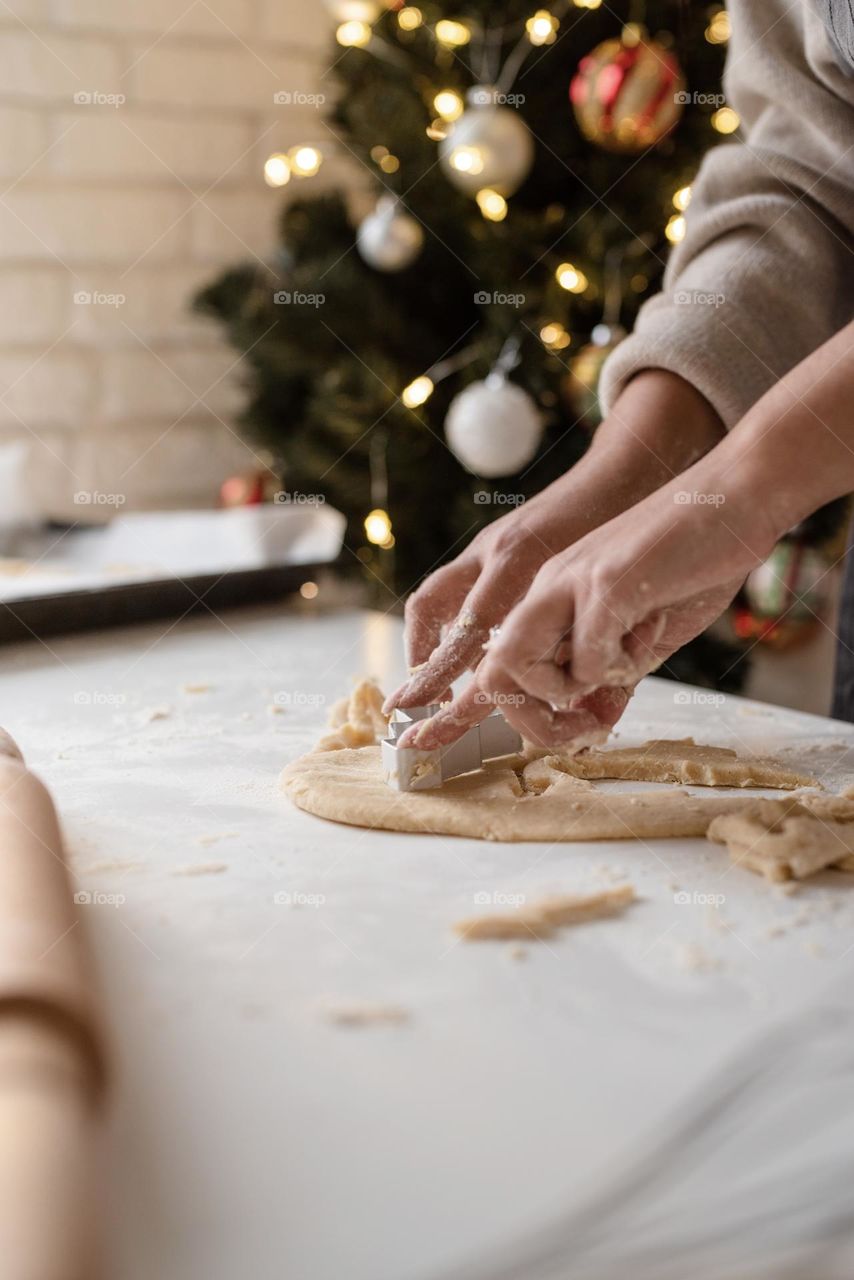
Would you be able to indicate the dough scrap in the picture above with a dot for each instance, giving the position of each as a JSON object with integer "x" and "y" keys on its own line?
{"x": 357, "y": 721}
{"x": 541, "y": 919}
{"x": 366, "y": 1015}
{"x": 492, "y": 804}
{"x": 789, "y": 839}
{"x": 684, "y": 761}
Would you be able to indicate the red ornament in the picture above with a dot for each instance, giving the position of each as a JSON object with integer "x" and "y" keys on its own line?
{"x": 627, "y": 95}
{"x": 248, "y": 489}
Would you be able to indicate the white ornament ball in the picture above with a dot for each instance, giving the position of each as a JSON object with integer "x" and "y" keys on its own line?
{"x": 389, "y": 239}
{"x": 489, "y": 146}
{"x": 354, "y": 10}
{"x": 493, "y": 428}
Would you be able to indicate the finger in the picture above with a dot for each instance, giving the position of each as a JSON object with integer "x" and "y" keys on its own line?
{"x": 428, "y": 609}
{"x": 523, "y": 656}
{"x": 589, "y": 720}
{"x": 449, "y": 724}
{"x": 463, "y": 645}
{"x": 436, "y": 602}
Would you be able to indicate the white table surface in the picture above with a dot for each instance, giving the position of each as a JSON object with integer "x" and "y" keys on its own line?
{"x": 253, "y": 1137}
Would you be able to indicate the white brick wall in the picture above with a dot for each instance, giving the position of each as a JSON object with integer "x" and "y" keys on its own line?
{"x": 132, "y": 201}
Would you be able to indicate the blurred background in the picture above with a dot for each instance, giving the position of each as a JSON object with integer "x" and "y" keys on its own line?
{"x": 284, "y": 260}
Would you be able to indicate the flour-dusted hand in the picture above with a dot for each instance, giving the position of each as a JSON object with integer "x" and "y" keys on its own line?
{"x": 659, "y": 425}
{"x": 617, "y": 604}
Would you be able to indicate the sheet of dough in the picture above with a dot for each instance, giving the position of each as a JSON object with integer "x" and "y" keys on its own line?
{"x": 347, "y": 786}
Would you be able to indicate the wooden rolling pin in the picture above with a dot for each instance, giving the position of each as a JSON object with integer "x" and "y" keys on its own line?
{"x": 52, "y": 1061}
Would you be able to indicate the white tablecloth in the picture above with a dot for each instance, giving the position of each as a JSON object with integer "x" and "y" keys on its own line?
{"x": 252, "y": 1136}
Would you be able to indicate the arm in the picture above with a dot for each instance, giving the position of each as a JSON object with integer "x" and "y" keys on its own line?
{"x": 615, "y": 605}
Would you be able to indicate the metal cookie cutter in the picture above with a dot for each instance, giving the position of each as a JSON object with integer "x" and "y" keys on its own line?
{"x": 408, "y": 769}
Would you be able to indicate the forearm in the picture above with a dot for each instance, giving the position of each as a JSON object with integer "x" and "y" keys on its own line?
{"x": 793, "y": 451}
{"x": 658, "y": 427}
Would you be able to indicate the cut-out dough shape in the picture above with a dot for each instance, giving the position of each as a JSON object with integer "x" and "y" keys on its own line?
{"x": 789, "y": 839}
{"x": 682, "y": 760}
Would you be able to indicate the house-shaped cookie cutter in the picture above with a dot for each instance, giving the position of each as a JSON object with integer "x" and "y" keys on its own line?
{"x": 410, "y": 769}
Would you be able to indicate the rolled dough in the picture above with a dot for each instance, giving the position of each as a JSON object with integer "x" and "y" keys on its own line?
{"x": 541, "y": 919}
{"x": 519, "y": 797}
{"x": 347, "y": 786}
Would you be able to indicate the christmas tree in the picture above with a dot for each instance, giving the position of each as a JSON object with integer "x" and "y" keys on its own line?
{"x": 427, "y": 363}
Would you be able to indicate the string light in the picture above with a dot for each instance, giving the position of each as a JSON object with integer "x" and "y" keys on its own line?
{"x": 587, "y": 4}
{"x": 492, "y": 204}
{"x": 378, "y": 528}
{"x": 389, "y": 164}
{"x": 452, "y": 33}
{"x": 353, "y": 35}
{"x": 418, "y": 392}
{"x": 466, "y": 159}
{"x": 725, "y": 120}
{"x": 639, "y": 282}
{"x": 410, "y": 18}
{"x": 356, "y": 10}
{"x": 555, "y": 337}
{"x": 448, "y": 104}
{"x": 277, "y": 170}
{"x": 437, "y": 131}
{"x": 570, "y": 278}
{"x": 542, "y": 28}
{"x": 682, "y": 198}
{"x": 309, "y": 590}
{"x": 304, "y": 161}
{"x": 675, "y": 229}
{"x": 719, "y": 29}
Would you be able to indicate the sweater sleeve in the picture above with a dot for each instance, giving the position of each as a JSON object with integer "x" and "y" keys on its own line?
{"x": 765, "y": 273}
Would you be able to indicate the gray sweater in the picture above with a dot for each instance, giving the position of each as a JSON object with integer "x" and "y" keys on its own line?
{"x": 765, "y": 273}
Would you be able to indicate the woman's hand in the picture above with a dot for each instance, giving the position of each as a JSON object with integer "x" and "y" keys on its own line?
{"x": 618, "y": 603}
{"x": 659, "y": 426}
